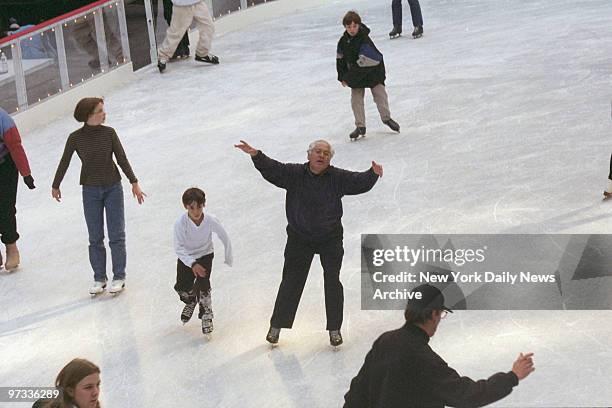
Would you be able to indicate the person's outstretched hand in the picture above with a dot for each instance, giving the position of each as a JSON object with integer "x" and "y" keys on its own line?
{"x": 523, "y": 366}
{"x": 377, "y": 168}
{"x": 138, "y": 193}
{"x": 57, "y": 194}
{"x": 247, "y": 148}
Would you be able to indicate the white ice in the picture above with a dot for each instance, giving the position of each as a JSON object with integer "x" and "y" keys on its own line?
{"x": 505, "y": 114}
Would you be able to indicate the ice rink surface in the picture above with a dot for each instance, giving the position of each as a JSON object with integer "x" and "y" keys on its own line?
{"x": 505, "y": 114}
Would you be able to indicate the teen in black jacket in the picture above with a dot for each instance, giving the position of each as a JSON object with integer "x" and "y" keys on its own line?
{"x": 360, "y": 65}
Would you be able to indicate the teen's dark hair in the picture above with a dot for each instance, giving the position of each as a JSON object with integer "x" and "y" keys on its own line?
{"x": 351, "y": 17}
{"x": 194, "y": 194}
{"x": 86, "y": 107}
{"x": 418, "y": 316}
{"x": 69, "y": 377}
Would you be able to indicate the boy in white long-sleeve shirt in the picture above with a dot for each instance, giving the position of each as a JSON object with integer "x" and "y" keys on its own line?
{"x": 194, "y": 247}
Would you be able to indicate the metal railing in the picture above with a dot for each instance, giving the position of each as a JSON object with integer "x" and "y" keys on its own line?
{"x": 52, "y": 57}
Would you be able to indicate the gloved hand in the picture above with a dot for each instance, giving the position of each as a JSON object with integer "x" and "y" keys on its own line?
{"x": 29, "y": 181}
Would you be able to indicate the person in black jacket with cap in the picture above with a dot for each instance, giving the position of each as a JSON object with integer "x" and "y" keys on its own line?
{"x": 314, "y": 210}
{"x": 360, "y": 65}
{"x": 401, "y": 370}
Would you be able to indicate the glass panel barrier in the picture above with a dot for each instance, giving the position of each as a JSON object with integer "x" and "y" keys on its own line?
{"x": 40, "y": 65}
{"x": 8, "y": 89}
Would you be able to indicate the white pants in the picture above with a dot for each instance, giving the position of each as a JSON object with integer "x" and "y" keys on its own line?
{"x": 182, "y": 17}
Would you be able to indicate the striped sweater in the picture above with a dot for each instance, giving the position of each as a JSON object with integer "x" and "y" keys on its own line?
{"x": 10, "y": 144}
{"x": 95, "y": 146}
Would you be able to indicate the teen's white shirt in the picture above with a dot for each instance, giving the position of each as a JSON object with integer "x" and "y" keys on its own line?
{"x": 193, "y": 241}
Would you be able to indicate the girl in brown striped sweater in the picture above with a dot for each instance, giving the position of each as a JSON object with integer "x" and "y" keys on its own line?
{"x": 95, "y": 145}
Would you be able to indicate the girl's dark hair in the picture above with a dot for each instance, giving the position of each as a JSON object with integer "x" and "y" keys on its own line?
{"x": 351, "y": 17}
{"x": 70, "y": 376}
{"x": 85, "y": 108}
{"x": 194, "y": 194}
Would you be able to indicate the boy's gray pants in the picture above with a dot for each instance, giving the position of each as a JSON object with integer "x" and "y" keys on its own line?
{"x": 380, "y": 98}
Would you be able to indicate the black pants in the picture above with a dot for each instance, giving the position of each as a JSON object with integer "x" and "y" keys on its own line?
{"x": 299, "y": 252}
{"x": 8, "y": 198}
{"x": 415, "y": 11}
{"x": 184, "y": 44}
{"x": 189, "y": 287}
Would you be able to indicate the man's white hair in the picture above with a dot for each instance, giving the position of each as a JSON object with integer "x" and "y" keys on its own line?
{"x": 313, "y": 144}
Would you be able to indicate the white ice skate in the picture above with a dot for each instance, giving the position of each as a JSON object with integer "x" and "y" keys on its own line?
{"x": 117, "y": 286}
{"x": 97, "y": 288}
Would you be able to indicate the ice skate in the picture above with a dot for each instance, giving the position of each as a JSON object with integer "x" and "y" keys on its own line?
{"x": 207, "y": 325}
{"x": 359, "y": 131}
{"x": 607, "y": 192}
{"x": 188, "y": 312}
{"x": 12, "y": 257}
{"x": 396, "y": 32}
{"x": 1, "y": 261}
{"x": 117, "y": 286}
{"x": 97, "y": 288}
{"x": 335, "y": 338}
{"x": 272, "y": 336}
{"x": 211, "y": 59}
{"x": 418, "y": 32}
{"x": 392, "y": 124}
{"x": 161, "y": 65}
{"x": 182, "y": 52}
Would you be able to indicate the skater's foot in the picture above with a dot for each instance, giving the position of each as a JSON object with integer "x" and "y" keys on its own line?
{"x": 418, "y": 32}
{"x": 188, "y": 311}
{"x": 117, "y": 286}
{"x": 211, "y": 59}
{"x": 392, "y": 124}
{"x": 207, "y": 326}
{"x": 97, "y": 288}
{"x": 273, "y": 335}
{"x": 335, "y": 338}
{"x": 396, "y": 32}
{"x": 12, "y": 257}
{"x": 359, "y": 131}
{"x": 161, "y": 65}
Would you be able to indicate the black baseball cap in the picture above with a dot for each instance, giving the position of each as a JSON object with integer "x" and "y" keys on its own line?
{"x": 431, "y": 298}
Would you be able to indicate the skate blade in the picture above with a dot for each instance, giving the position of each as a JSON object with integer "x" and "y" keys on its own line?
{"x": 354, "y": 139}
{"x": 393, "y": 37}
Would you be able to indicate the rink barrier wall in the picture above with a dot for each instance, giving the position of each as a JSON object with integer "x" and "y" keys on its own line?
{"x": 63, "y": 104}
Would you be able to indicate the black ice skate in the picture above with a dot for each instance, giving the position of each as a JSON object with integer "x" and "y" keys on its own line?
{"x": 272, "y": 336}
{"x": 392, "y": 124}
{"x": 359, "y": 131}
{"x": 206, "y": 314}
{"x": 188, "y": 312}
{"x": 161, "y": 65}
{"x": 396, "y": 32}
{"x": 418, "y": 32}
{"x": 335, "y": 338}
{"x": 182, "y": 52}
{"x": 211, "y": 59}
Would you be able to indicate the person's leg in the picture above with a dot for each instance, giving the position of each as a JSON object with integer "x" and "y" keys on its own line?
{"x": 183, "y": 46}
{"x": 202, "y": 285}
{"x": 331, "y": 253}
{"x": 382, "y": 102}
{"x": 113, "y": 37}
{"x": 184, "y": 288}
{"x": 115, "y": 222}
{"x": 298, "y": 257}
{"x": 206, "y": 28}
{"x": 184, "y": 283}
{"x": 357, "y": 104}
{"x": 182, "y": 16}
{"x": 396, "y": 9}
{"x": 415, "y": 11}
{"x": 8, "y": 197}
{"x": 93, "y": 208}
